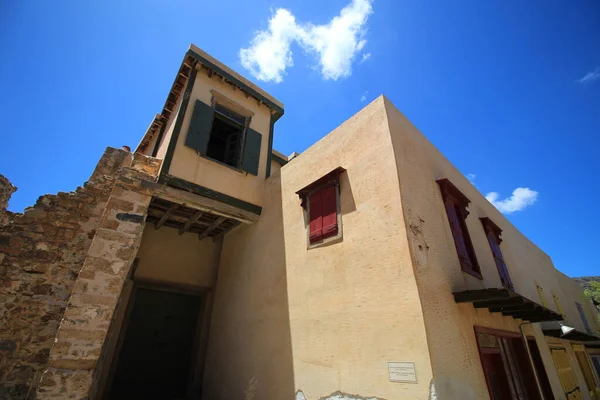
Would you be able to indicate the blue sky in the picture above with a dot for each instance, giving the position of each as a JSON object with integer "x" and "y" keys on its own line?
{"x": 508, "y": 90}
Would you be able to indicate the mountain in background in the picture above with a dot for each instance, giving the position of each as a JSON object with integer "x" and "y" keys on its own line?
{"x": 585, "y": 281}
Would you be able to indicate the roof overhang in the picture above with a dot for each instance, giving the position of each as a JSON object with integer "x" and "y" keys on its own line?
{"x": 508, "y": 303}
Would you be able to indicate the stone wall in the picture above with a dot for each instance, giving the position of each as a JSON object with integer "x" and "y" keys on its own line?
{"x": 41, "y": 254}
{"x": 6, "y": 190}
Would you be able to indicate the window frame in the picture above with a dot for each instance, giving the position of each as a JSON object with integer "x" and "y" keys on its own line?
{"x": 219, "y": 101}
{"x": 492, "y": 233}
{"x": 330, "y": 179}
{"x": 460, "y": 202}
{"x": 452, "y": 197}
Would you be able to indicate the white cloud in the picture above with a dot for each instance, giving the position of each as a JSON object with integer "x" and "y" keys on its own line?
{"x": 363, "y": 98}
{"x": 471, "y": 178}
{"x": 334, "y": 44}
{"x": 269, "y": 53}
{"x": 590, "y": 76}
{"x": 519, "y": 200}
{"x": 365, "y": 57}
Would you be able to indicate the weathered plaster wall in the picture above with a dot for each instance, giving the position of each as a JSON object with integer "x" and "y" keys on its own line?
{"x": 354, "y": 304}
{"x": 41, "y": 254}
{"x": 188, "y": 165}
{"x": 455, "y": 360}
{"x": 249, "y": 352}
{"x": 173, "y": 259}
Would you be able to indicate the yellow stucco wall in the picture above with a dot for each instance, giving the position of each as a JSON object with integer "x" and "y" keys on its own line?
{"x": 353, "y": 304}
{"x": 188, "y": 165}
{"x": 456, "y": 367}
{"x": 571, "y": 292}
{"x": 180, "y": 260}
{"x": 249, "y": 352}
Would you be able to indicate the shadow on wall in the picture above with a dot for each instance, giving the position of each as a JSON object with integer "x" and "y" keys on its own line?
{"x": 250, "y": 349}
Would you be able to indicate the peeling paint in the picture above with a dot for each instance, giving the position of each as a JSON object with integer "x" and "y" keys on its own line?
{"x": 338, "y": 396}
{"x": 250, "y": 392}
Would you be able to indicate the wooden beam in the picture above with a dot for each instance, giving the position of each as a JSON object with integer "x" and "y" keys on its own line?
{"x": 470, "y": 296}
{"x": 165, "y": 216}
{"x": 191, "y": 222}
{"x": 514, "y": 308}
{"x": 201, "y": 203}
{"x": 536, "y": 312}
{"x": 499, "y": 303}
{"x": 212, "y": 226}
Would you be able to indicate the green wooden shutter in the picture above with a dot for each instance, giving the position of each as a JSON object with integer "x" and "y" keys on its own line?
{"x": 200, "y": 127}
{"x": 251, "y": 155}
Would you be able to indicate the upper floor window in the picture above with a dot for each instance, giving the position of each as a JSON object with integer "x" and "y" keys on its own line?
{"x": 321, "y": 200}
{"x": 225, "y": 141}
{"x": 456, "y": 208}
{"x": 583, "y": 317}
{"x": 224, "y": 135}
{"x": 492, "y": 231}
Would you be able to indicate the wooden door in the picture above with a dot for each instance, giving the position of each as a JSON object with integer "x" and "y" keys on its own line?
{"x": 567, "y": 377}
{"x": 586, "y": 369}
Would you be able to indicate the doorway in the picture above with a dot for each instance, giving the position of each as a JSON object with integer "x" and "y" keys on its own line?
{"x": 158, "y": 352}
{"x": 506, "y": 366}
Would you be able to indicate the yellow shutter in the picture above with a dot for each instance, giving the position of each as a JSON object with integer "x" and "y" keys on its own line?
{"x": 586, "y": 370}
{"x": 540, "y": 291}
{"x": 568, "y": 381}
{"x": 559, "y": 307}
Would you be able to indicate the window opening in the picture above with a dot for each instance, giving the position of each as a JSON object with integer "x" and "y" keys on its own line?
{"x": 456, "y": 209}
{"x": 225, "y": 142}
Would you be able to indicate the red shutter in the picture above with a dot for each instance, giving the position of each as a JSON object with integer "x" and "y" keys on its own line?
{"x": 316, "y": 217}
{"x": 457, "y": 233}
{"x": 330, "y": 224}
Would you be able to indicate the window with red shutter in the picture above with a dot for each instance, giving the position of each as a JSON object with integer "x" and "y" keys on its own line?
{"x": 493, "y": 235}
{"x": 329, "y": 210}
{"x": 316, "y": 217}
{"x": 321, "y": 201}
{"x": 456, "y": 204}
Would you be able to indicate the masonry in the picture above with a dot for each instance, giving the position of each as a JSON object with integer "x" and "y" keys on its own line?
{"x": 48, "y": 254}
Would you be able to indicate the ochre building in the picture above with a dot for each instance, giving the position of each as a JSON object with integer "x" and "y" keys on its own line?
{"x": 207, "y": 265}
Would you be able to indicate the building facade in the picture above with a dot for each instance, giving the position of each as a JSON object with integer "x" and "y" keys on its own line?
{"x": 205, "y": 264}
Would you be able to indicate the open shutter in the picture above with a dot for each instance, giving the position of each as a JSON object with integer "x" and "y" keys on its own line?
{"x": 583, "y": 318}
{"x": 329, "y": 204}
{"x": 499, "y": 260}
{"x": 200, "y": 127}
{"x": 316, "y": 217}
{"x": 459, "y": 240}
{"x": 251, "y": 155}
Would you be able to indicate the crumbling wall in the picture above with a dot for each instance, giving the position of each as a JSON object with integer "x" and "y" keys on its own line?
{"x": 41, "y": 254}
{"x": 6, "y": 190}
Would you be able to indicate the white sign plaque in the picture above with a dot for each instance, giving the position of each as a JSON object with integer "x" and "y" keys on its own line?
{"x": 402, "y": 372}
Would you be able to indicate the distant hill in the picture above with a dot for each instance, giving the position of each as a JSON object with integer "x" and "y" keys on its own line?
{"x": 584, "y": 281}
